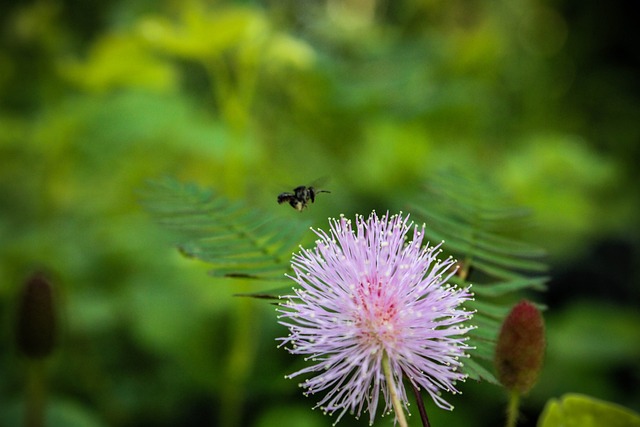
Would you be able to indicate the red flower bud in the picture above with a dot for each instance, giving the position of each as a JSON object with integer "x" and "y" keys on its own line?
{"x": 36, "y": 323}
{"x": 520, "y": 348}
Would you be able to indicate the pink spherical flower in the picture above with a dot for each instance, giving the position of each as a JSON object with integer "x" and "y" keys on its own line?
{"x": 371, "y": 308}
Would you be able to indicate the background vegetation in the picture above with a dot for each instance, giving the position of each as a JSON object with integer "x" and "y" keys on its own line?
{"x": 255, "y": 97}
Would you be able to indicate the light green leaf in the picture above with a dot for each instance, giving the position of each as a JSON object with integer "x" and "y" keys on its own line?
{"x": 576, "y": 410}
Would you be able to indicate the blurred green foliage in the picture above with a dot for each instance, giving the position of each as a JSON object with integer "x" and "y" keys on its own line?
{"x": 254, "y": 98}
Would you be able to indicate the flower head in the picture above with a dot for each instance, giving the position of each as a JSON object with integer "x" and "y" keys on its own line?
{"x": 367, "y": 297}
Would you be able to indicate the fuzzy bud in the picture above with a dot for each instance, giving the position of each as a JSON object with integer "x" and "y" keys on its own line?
{"x": 520, "y": 348}
{"x": 36, "y": 322}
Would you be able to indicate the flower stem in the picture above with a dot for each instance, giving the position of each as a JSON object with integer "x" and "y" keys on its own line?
{"x": 419, "y": 402}
{"x": 397, "y": 405}
{"x": 239, "y": 364}
{"x": 512, "y": 409}
{"x": 35, "y": 394}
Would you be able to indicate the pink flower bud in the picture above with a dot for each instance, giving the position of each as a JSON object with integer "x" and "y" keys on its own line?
{"x": 520, "y": 348}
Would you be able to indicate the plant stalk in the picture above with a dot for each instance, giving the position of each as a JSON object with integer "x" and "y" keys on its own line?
{"x": 420, "y": 403}
{"x": 395, "y": 400}
{"x": 35, "y": 394}
{"x": 241, "y": 358}
{"x": 512, "y": 409}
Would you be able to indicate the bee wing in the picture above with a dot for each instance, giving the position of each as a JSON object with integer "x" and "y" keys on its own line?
{"x": 319, "y": 182}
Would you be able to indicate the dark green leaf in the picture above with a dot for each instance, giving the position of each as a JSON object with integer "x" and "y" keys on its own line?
{"x": 478, "y": 372}
{"x": 478, "y": 225}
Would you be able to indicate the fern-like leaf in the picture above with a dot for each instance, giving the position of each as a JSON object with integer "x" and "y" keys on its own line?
{"x": 238, "y": 241}
{"x": 476, "y": 223}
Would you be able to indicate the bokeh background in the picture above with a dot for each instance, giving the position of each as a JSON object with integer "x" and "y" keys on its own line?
{"x": 255, "y": 97}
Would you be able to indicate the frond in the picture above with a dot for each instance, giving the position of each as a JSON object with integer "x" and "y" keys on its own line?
{"x": 239, "y": 241}
{"x": 477, "y": 224}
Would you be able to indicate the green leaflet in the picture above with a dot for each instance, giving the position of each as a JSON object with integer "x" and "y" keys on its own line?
{"x": 476, "y": 223}
{"x": 237, "y": 240}
{"x": 576, "y": 410}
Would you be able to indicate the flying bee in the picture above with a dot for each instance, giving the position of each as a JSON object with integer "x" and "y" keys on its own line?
{"x": 300, "y": 197}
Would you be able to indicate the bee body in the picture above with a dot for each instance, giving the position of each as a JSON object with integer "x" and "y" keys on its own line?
{"x": 300, "y": 197}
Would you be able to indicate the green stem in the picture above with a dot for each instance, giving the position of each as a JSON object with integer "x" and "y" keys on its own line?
{"x": 512, "y": 409}
{"x": 463, "y": 273}
{"x": 395, "y": 400}
{"x": 35, "y": 394}
{"x": 240, "y": 361}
